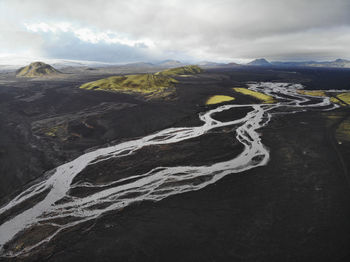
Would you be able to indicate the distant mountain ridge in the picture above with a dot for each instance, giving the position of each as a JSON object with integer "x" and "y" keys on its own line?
{"x": 37, "y": 69}
{"x": 259, "y": 62}
{"x": 170, "y": 63}
{"x": 338, "y": 63}
{"x": 56, "y": 68}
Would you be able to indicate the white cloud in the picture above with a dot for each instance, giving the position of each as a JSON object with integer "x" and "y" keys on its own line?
{"x": 202, "y": 29}
{"x": 86, "y": 34}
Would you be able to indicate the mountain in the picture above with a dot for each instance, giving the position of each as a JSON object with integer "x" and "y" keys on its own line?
{"x": 209, "y": 64}
{"x": 184, "y": 70}
{"x": 292, "y": 64}
{"x": 338, "y": 63}
{"x": 259, "y": 62}
{"x": 152, "y": 86}
{"x": 341, "y": 63}
{"x": 37, "y": 69}
{"x": 232, "y": 64}
{"x": 170, "y": 63}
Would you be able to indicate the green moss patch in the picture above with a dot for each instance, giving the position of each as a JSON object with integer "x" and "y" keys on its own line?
{"x": 342, "y": 99}
{"x": 37, "y": 69}
{"x": 181, "y": 71}
{"x": 219, "y": 99}
{"x": 260, "y": 96}
{"x": 158, "y": 85}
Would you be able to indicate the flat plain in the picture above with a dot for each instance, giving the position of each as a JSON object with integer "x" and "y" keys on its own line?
{"x": 294, "y": 208}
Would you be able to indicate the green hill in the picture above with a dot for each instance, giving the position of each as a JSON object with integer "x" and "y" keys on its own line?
{"x": 158, "y": 85}
{"x": 184, "y": 70}
{"x": 37, "y": 69}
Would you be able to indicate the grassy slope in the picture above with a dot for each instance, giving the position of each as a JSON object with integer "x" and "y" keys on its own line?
{"x": 312, "y": 92}
{"x": 156, "y": 85}
{"x": 258, "y": 95}
{"x": 342, "y": 99}
{"x": 343, "y": 131}
{"x": 37, "y": 69}
{"x": 219, "y": 99}
{"x": 184, "y": 70}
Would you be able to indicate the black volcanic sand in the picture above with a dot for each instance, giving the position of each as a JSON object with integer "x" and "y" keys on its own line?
{"x": 294, "y": 209}
{"x": 31, "y": 110}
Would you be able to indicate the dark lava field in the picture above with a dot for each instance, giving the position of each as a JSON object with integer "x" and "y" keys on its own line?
{"x": 294, "y": 208}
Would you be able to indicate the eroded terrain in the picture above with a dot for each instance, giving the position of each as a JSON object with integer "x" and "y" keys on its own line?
{"x": 302, "y": 192}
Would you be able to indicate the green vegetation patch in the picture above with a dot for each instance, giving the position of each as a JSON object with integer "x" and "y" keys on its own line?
{"x": 342, "y": 99}
{"x": 265, "y": 98}
{"x": 312, "y": 92}
{"x": 219, "y": 99}
{"x": 56, "y": 131}
{"x": 158, "y": 85}
{"x": 342, "y": 132}
{"x": 149, "y": 85}
{"x": 37, "y": 69}
{"x": 179, "y": 71}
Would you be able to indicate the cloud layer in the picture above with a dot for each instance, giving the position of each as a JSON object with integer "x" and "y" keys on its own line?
{"x": 219, "y": 30}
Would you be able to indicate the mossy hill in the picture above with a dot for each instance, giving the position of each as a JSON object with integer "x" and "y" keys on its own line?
{"x": 158, "y": 85}
{"x": 184, "y": 70}
{"x": 37, "y": 69}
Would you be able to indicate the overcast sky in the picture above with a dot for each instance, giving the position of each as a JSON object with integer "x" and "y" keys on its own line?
{"x": 188, "y": 30}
